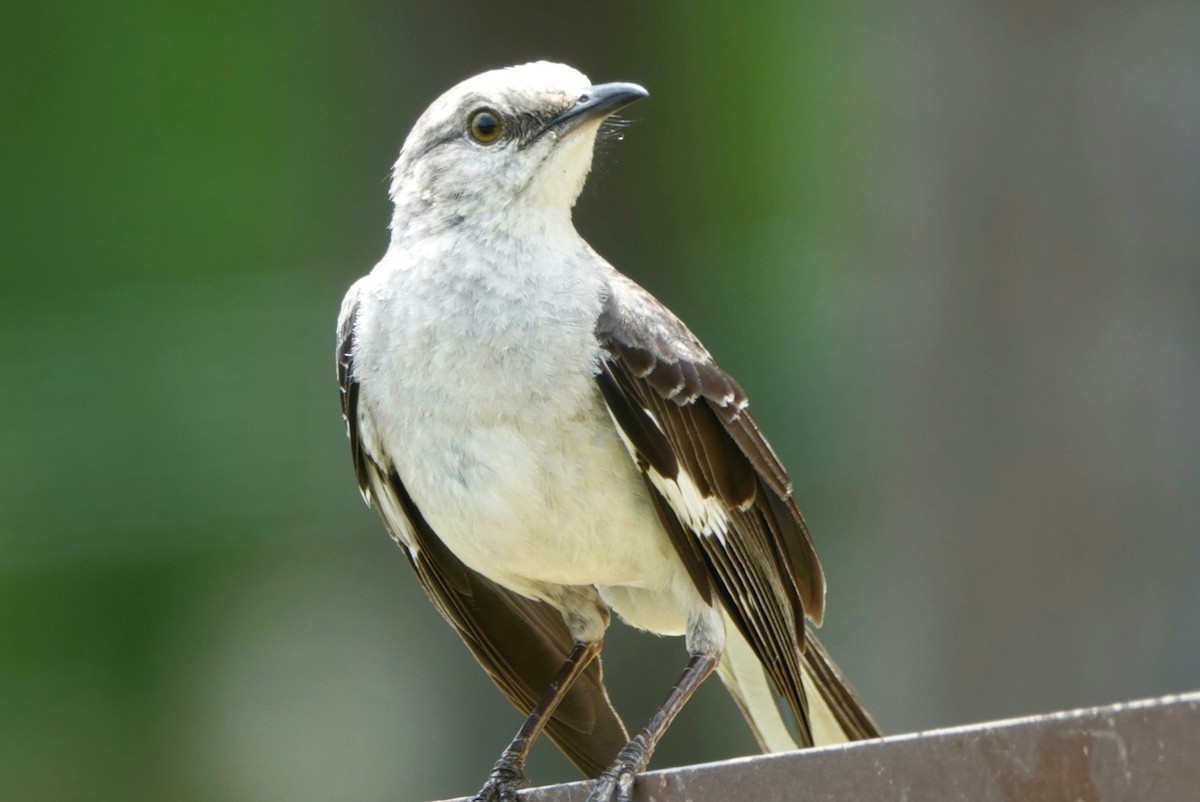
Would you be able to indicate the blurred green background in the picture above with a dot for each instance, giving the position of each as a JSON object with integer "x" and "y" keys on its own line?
{"x": 951, "y": 249}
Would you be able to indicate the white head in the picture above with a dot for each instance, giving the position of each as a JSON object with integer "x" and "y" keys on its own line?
{"x": 511, "y": 137}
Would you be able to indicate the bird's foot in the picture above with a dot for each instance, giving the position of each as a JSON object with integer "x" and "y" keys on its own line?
{"x": 502, "y": 784}
{"x": 615, "y": 784}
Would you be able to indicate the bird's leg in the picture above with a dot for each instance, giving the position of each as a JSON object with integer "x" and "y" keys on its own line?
{"x": 617, "y": 780}
{"x": 508, "y": 775}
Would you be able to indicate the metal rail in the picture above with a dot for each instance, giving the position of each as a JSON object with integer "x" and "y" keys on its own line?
{"x": 1147, "y": 751}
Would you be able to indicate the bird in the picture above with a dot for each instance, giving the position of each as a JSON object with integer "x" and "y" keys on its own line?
{"x": 549, "y": 445}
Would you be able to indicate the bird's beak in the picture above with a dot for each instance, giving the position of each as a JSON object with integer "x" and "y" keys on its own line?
{"x": 596, "y": 102}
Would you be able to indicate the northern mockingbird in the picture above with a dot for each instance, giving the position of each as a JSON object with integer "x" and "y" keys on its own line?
{"x": 548, "y": 443}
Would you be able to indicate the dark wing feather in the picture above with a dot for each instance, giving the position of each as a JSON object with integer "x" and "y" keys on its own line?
{"x": 686, "y": 421}
{"x": 521, "y": 643}
{"x": 847, "y": 708}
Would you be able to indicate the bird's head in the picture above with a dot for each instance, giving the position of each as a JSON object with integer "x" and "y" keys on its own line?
{"x": 515, "y": 137}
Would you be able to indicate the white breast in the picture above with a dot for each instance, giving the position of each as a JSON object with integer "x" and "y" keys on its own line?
{"x": 479, "y": 387}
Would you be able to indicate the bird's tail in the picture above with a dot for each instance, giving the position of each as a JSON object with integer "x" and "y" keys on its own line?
{"x": 835, "y": 713}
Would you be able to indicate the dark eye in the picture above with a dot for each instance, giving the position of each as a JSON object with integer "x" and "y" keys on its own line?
{"x": 485, "y": 126}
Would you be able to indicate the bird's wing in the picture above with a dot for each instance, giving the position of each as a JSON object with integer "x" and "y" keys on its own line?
{"x": 521, "y": 643}
{"x": 721, "y": 492}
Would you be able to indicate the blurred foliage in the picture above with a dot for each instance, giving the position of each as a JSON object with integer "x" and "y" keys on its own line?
{"x": 951, "y": 254}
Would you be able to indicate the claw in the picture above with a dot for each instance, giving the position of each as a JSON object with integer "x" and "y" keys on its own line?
{"x": 625, "y": 786}
{"x": 502, "y": 784}
{"x": 615, "y": 784}
{"x": 605, "y": 787}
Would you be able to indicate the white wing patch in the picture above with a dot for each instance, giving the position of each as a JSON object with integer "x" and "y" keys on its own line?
{"x": 385, "y": 501}
{"x": 702, "y": 514}
{"x": 379, "y": 492}
{"x": 653, "y": 420}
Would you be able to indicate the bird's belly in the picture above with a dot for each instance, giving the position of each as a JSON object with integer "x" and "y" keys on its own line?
{"x": 554, "y": 500}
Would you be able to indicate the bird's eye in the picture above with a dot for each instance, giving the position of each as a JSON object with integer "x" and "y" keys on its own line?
{"x": 485, "y": 126}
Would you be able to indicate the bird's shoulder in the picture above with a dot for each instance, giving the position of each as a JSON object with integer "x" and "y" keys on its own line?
{"x": 632, "y": 318}
{"x": 654, "y": 352}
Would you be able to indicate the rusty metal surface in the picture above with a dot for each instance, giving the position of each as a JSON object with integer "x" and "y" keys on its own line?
{"x": 1145, "y": 751}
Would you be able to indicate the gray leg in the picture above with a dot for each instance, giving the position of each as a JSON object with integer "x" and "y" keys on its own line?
{"x": 617, "y": 780}
{"x": 508, "y": 775}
